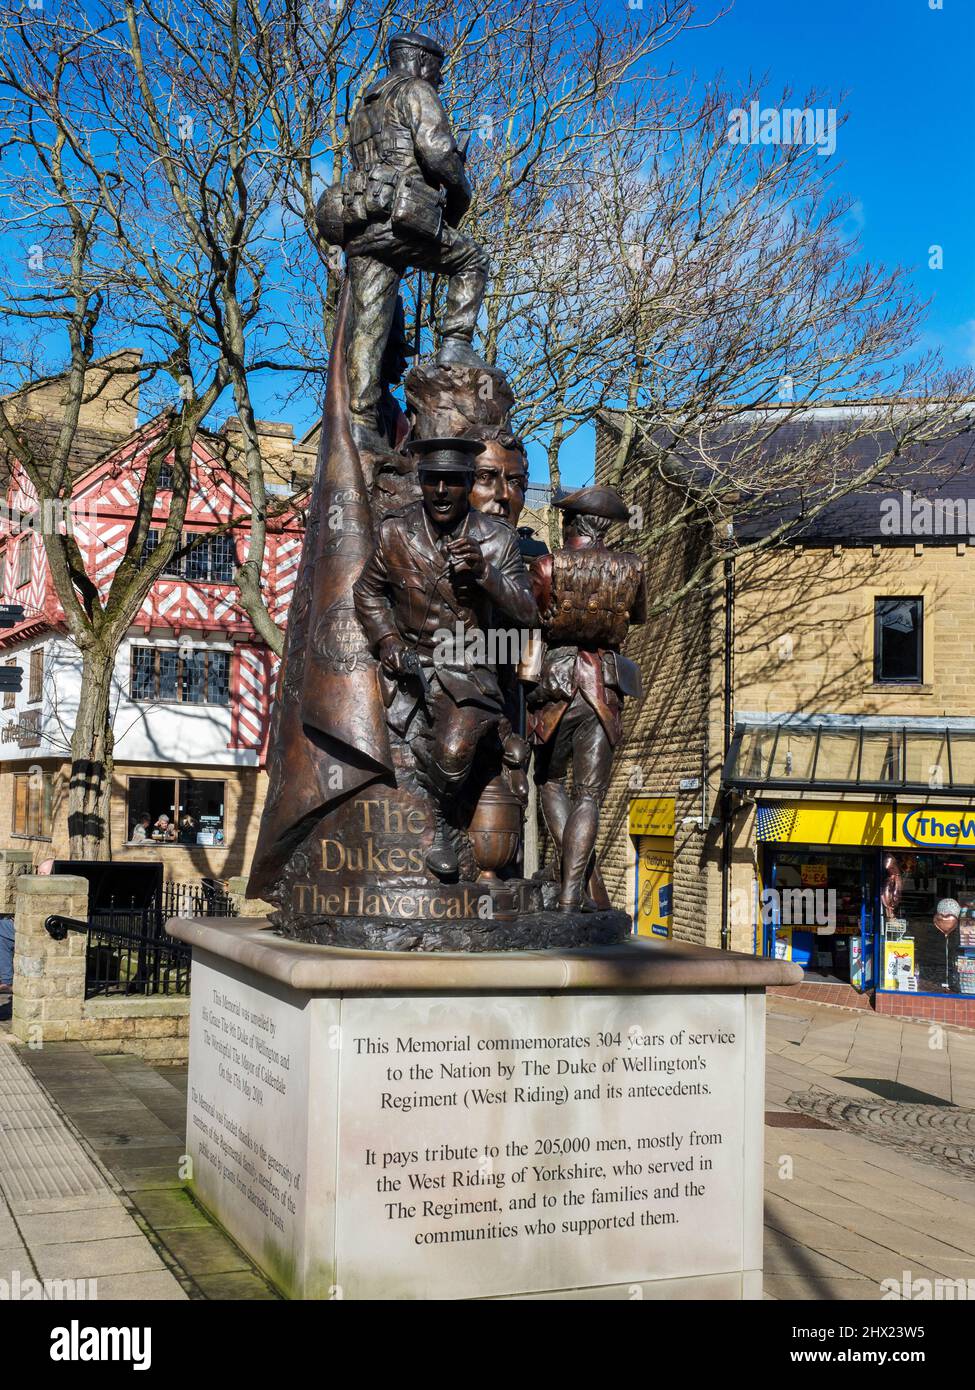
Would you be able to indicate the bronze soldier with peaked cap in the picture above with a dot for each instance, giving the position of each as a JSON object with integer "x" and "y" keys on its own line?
{"x": 399, "y": 208}
{"x": 588, "y": 595}
{"x": 437, "y": 567}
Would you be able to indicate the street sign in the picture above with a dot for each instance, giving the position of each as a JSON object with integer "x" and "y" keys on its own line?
{"x": 11, "y": 614}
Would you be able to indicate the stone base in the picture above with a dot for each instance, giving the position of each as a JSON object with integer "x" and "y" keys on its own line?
{"x": 532, "y": 931}
{"x": 368, "y": 1125}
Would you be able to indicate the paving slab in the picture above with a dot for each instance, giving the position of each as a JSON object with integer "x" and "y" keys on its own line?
{"x": 60, "y": 1228}
{"x": 91, "y": 1259}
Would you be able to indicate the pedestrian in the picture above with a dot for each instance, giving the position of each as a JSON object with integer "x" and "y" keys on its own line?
{"x": 6, "y": 955}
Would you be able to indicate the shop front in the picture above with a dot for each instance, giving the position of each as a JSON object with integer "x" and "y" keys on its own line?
{"x": 651, "y": 827}
{"x": 877, "y": 896}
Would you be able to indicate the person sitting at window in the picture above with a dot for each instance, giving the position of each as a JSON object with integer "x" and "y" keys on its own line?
{"x": 187, "y": 831}
{"x": 140, "y": 831}
{"x": 164, "y": 829}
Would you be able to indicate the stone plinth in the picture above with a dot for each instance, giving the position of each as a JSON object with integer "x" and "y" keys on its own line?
{"x": 549, "y": 1124}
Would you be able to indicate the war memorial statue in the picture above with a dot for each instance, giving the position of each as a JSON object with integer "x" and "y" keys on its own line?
{"x": 385, "y": 1074}
{"x": 398, "y": 754}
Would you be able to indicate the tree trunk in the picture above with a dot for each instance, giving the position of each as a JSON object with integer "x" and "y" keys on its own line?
{"x": 92, "y": 760}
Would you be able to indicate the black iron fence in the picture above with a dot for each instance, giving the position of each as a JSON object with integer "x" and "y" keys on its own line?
{"x": 128, "y": 951}
{"x": 208, "y": 898}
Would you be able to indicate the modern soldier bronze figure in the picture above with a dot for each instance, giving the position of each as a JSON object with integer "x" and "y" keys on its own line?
{"x": 398, "y": 208}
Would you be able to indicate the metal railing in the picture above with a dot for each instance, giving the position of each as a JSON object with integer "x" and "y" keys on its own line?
{"x": 208, "y": 898}
{"x": 128, "y": 950}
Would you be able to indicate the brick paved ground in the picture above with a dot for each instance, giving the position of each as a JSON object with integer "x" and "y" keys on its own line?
{"x": 887, "y": 1188}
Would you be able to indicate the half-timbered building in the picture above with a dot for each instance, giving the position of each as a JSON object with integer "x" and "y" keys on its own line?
{"x": 192, "y": 682}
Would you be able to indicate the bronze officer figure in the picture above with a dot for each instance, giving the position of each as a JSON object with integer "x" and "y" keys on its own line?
{"x": 400, "y": 208}
{"x": 429, "y": 599}
{"x": 588, "y": 595}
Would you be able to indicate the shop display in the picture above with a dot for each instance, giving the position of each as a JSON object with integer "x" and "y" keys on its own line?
{"x": 966, "y": 975}
{"x": 899, "y": 965}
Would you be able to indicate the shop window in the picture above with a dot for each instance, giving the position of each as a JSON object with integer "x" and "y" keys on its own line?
{"x": 175, "y": 676}
{"x": 929, "y": 923}
{"x": 35, "y": 685}
{"x": 179, "y": 812}
{"x": 33, "y": 796}
{"x": 898, "y": 624}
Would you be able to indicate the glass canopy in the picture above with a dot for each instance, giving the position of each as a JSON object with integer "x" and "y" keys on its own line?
{"x": 837, "y": 757}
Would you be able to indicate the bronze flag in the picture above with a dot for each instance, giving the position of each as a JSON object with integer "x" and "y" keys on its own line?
{"x": 328, "y": 735}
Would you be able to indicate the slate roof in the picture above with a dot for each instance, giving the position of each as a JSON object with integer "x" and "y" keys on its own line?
{"x": 942, "y": 472}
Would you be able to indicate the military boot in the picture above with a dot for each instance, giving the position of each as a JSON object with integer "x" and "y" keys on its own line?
{"x": 457, "y": 352}
{"x": 441, "y": 858}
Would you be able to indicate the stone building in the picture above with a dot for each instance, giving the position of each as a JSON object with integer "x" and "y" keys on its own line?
{"x": 800, "y": 779}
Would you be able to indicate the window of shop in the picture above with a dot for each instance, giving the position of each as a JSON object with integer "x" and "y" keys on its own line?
{"x": 180, "y": 812}
{"x": 928, "y": 944}
{"x": 33, "y": 797}
{"x": 898, "y": 624}
{"x": 818, "y": 910}
{"x": 195, "y": 677}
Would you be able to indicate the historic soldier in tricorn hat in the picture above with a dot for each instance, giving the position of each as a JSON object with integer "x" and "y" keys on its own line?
{"x": 588, "y": 595}
{"x": 440, "y": 568}
{"x": 400, "y": 207}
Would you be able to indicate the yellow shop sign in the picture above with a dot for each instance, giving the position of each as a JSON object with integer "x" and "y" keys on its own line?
{"x": 652, "y": 815}
{"x": 929, "y": 825}
{"x": 849, "y": 823}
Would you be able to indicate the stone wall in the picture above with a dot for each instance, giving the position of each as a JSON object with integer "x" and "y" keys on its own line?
{"x": 804, "y": 629}
{"x": 49, "y": 1002}
{"x": 676, "y": 733}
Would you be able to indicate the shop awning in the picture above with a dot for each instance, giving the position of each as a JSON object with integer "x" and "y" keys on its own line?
{"x": 817, "y": 754}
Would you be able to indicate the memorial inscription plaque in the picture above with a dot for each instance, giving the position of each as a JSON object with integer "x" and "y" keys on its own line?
{"x": 514, "y": 1146}
{"x": 457, "y": 1146}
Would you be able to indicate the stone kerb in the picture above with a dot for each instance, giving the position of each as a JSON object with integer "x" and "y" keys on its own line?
{"x": 49, "y": 975}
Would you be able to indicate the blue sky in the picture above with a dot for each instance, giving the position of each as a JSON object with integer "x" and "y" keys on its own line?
{"x": 907, "y": 151}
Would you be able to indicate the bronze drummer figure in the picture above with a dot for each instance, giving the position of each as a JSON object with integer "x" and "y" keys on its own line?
{"x": 588, "y": 595}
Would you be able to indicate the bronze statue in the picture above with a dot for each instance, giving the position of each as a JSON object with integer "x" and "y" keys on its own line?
{"x": 588, "y": 596}
{"x": 501, "y": 477}
{"x": 399, "y": 208}
{"x": 430, "y": 598}
{"x": 397, "y": 758}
